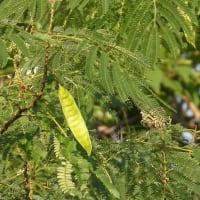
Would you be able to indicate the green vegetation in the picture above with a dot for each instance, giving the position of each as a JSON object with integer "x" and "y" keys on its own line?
{"x": 123, "y": 64}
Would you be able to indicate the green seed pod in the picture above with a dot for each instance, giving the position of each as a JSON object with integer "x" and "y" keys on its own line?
{"x": 74, "y": 119}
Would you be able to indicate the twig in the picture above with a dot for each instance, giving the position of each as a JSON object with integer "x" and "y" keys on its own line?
{"x": 163, "y": 173}
{"x": 26, "y": 181}
{"x": 57, "y": 124}
{"x": 51, "y": 15}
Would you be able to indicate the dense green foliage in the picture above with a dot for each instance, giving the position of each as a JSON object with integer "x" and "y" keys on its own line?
{"x": 108, "y": 53}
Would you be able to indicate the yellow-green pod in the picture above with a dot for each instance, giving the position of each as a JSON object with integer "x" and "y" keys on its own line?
{"x": 74, "y": 119}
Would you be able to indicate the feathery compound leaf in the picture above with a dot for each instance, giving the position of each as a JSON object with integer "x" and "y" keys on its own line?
{"x": 136, "y": 57}
{"x": 56, "y": 145}
{"x": 33, "y": 7}
{"x": 106, "y": 181}
{"x": 90, "y": 60}
{"x": 170, "y": 40}
{"x": 139, "y": 18}
{"x": 188, "y": 29}
{"x": 129, "y": 17}
{"x": 105, "y": 6}
{"x": 105, "y": 73}
{"x": 152, "y": 43}
{"x": 75, "y": 119}
{"x": 20, "y": 44}
{"x": 118, "y": 79}
{"x": 3, "y": 54}
{"x": 9, "y": 7}
{"x": 65, "y": 178}
{"x": 184, "y": 17}
{"x": 42, "y": 8}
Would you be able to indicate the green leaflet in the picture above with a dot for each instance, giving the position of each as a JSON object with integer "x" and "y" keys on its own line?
{"x": 105, "y": 73}
{"x": 3, "y": 54}
{"x": 74, "y": 119}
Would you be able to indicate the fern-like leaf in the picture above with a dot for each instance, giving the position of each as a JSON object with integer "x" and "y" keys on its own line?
{"x": 90, "y": 62}
{"x": 105, "y": 73}
{"x": 65, "y": 178}
{"x": 20, "y": 44}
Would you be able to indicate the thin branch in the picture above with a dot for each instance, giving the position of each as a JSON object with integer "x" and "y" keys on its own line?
{"x": 26, "y": 181}
{"x": 57, "y": 124}
{"x": 155, "y": 12}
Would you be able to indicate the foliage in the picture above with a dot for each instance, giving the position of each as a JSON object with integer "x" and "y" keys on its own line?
{"x": 103, "y": 52}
